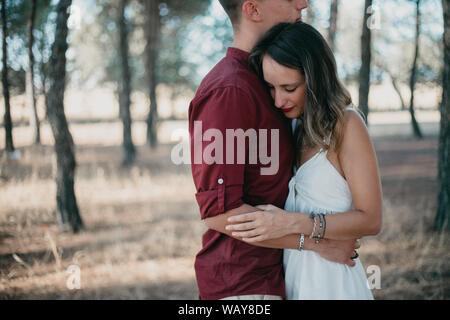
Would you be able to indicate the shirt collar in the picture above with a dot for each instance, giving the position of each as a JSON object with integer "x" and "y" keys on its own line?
{"x": 240, "y": 55}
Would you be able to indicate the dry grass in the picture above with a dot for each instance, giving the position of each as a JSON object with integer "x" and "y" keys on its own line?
{"x": 414, "y": 259}
{"x": 143, "y": 228}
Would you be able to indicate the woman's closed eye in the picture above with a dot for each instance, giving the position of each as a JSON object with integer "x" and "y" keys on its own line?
{"x": 287, "y": 89}
{"x": 290, "y": 90}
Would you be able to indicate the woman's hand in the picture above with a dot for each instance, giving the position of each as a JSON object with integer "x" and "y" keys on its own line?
{"x": 340, "y": 251}
{"x": 269, "y": 223}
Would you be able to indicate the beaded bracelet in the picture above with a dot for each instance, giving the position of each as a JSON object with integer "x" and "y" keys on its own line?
{"x": 324, "y": 224}
{"x": 302, "y": 241}
{"x": 320, "y": 228}
{"x": 313, "y": 216}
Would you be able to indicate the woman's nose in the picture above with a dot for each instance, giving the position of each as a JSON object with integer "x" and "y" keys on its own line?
{"x": 279, "y": 100}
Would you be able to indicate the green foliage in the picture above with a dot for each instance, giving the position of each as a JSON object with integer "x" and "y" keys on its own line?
{"x": 395, "y": 51}
{"x": 18, "y": 12}
{"x": 173, "y": 69}
{"x": 193, "y": 38}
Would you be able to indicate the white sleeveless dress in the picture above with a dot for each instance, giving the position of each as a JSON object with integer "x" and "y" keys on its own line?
{"x": 318, "y": 187}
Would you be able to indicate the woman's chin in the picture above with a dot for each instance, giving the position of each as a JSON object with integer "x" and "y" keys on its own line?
{"x": 292, "y": 114}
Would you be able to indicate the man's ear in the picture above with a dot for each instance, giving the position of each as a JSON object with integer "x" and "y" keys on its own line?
{"x": 251, "y": 11}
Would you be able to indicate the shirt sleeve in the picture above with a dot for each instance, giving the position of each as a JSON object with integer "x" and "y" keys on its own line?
{"x": 219, "y": 183}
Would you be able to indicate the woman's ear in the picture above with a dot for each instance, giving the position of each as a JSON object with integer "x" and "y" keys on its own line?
{"x": 251, "y": 11}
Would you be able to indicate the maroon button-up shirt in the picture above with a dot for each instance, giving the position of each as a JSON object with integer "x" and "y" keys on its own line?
{"x": 232, "y": 97}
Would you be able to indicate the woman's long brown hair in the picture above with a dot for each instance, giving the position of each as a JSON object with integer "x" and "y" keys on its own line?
{"x": 300, "y": 46}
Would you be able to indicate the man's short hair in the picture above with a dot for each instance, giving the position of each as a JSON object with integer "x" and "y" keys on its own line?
{"x": 233, "y": 10}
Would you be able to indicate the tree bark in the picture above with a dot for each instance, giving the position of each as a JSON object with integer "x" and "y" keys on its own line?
{"x": 30, "y": 88}
{"x": 125, "y": 89}
{"x": 364, "y": 72}
{"x": 152, "y": 29}
{"x": 67, "y": 208}
{"x": 416, "y": 129}
{"x": 442, "y": 220}
{"x": 397, "y": 89}
{"x": 7, "y": 122}
{"x": 333, "y": 23}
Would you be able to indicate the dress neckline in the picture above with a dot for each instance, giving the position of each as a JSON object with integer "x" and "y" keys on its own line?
{"x": 308, "y": 161}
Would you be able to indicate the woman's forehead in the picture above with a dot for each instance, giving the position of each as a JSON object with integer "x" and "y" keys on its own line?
{"x": 278, "y": 74}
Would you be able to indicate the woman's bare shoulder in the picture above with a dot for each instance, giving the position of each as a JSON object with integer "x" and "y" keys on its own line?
{"x": 355, "y": 135}
{"x": 353, "y": 124}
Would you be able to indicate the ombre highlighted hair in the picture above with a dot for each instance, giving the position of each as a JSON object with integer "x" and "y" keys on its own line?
{"x": 300, "y": 46}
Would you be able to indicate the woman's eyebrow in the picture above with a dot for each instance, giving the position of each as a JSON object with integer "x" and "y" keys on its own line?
{"x": 289, "y": 85}
{"x": 283, "y": 85}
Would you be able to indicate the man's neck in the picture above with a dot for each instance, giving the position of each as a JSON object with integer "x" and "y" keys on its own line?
{"x": 245, "y": 40}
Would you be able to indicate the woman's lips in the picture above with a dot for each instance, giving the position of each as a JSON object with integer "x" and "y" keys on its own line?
{"x": 286, "y": 110}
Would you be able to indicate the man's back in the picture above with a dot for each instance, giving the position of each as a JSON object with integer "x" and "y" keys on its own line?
{"x": 231, "y": 97}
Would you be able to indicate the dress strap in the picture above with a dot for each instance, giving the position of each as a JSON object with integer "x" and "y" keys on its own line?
{"x": 327, "y": 139}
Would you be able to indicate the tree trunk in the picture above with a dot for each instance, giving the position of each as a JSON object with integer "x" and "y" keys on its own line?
{"x": 30, "y": 89}
{"x": 42, "y": 67}
{"x": 364, "y": 72}
{"x": 416, "y": 129}
{"x": 152, "y": 29}
{"x": 333, "y": 23}
{"x": 442, "y": 220}
{"x": 67, "y": 208}
{"x": 125, "y": 88}
{"x": 7, "y": 122}
{"x": 397, "y": 89}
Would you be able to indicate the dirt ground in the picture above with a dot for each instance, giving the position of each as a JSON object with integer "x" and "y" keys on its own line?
{"x": 143, "y": 228}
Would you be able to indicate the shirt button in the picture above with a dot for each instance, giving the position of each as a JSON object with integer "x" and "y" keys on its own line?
{"x": 220, "y": 181}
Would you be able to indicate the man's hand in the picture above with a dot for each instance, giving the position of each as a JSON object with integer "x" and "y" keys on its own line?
{"x": 340, "y": 251}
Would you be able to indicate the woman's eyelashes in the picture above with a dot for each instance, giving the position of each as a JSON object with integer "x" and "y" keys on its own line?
{"x": 290, "y": 90}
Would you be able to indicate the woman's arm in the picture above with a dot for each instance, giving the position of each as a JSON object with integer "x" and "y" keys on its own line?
{"x": 332, "y": 250}
{"x": 288, "y": 241}
{"x": 359, "y": 165}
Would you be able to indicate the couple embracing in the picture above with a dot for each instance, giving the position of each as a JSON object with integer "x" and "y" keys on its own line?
{"x": 291, "y": 234}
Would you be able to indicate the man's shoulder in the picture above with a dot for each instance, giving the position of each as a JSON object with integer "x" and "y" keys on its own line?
{"x": 229, "y": 74}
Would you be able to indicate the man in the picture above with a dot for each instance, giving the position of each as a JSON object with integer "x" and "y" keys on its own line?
{"x": 231, "y": 97}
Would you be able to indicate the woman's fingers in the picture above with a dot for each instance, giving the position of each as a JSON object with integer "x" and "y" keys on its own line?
{"x": 254, "y": 239}
{"x": 246, "y": 234}
{"x": 243, "y": 217}
{"x": 241, "y": 226}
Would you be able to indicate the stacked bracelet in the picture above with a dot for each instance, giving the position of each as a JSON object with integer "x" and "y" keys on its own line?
{"x": 302, "y": 241}
{"x": 322, "y": 226}
{"x": 313, "y": 216}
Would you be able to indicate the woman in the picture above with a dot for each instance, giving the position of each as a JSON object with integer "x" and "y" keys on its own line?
{"x": 335, "y": 192}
